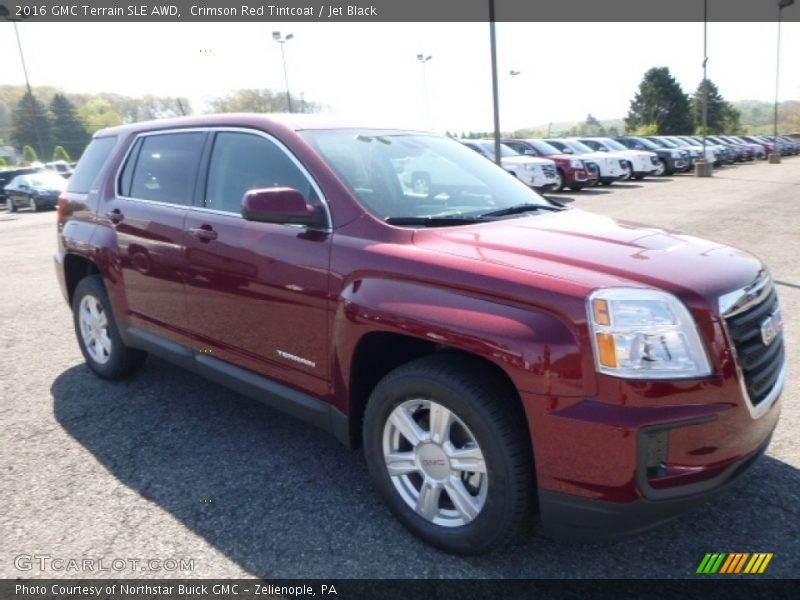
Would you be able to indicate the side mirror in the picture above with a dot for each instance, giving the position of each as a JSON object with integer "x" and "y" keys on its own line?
{"x": 281, "y": 205}
{"x": 602, "y": 149}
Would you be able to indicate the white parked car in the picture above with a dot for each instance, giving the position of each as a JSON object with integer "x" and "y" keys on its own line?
{"x": 539, "y": 173}
{"x": 642, "y": 162}
{"x": 611, "y": 167}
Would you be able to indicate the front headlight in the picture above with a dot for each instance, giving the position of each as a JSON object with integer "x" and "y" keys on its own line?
{"x": 675, "y": 154}
{"x": 530, "y": 167}
{"x": 644, "y": 334}
{"x": 576, "y": 163}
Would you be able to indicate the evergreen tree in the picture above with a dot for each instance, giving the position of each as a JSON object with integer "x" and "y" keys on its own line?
{"x": 59, "y": 153}
{"x": 31, "y": 126}
{"x": 660, "y": 101}
{"x": 29, "y": 155}
{"x": 722, "y": 117}
{"x": 68, "y": 130}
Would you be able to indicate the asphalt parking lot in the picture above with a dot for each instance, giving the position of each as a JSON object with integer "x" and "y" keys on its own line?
{"x": 166, "y": 466}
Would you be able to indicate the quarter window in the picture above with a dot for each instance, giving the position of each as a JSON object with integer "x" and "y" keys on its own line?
{"x": 163, "y": 168}
{"x": 241, "y": 162}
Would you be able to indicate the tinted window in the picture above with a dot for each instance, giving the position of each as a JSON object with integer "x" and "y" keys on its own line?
{"x": 92, "y": 160}
{"x": 244, "y": 161}
{"x": 165, "y": 168}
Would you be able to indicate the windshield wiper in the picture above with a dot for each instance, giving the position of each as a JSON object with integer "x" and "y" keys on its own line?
{"x": 434, "y": 221}
{"x": 521, "y": 208}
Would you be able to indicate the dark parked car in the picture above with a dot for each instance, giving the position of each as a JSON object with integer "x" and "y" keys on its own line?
{"x": 491, "y": 351}
{"x": 6, "y": 175}
{"x": 34, "y": 190}
{"x": 669, "y": 159}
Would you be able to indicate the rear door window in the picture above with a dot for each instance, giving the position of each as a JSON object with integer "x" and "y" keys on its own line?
{"x": 163, "y": 168}
{"x": 90, "y": 164}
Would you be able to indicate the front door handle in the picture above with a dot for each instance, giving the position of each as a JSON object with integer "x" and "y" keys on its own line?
{"x": 204, "y": 233}
{"x": 115, "y": 216}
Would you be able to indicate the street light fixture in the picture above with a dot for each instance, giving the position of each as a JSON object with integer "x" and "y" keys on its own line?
{"x": 423, "y": 59}
{"x": 276, "y": 35}
{"x": 775, "y": 157}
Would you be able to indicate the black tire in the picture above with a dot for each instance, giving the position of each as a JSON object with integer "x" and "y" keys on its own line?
{"x": 33, "y": 204}
{"x": 121, "y": 361}
{"x": 606, "y": 182}
{"x": 10, "y": 205}
{"x": 490, "y": 411}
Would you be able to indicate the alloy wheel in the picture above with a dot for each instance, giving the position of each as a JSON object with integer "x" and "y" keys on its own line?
{"x": 93, "y": 323}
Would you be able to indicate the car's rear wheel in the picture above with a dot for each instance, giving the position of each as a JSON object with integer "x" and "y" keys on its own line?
{"x": 446, "y": 448}
{"x": 98, "y": 335}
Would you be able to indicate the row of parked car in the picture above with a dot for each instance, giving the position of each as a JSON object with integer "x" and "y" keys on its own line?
{"x": 36, "y": 186}
{"x": 554, "y": 164}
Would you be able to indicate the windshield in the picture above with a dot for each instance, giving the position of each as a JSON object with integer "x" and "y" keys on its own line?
{"x": 544, "y": 148}
{"x": 648, "y": 144}
{"x": 612, "y": 144}
{"x": 399, "y": 175}
{"x": 573, "y": 145}
{"x": 488, "y": 147}
{"x": 661, "y": 143}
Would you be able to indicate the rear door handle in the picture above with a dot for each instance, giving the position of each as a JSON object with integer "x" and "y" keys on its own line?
{"x": 115, "y": 216}
{"x": 204, "y": 233}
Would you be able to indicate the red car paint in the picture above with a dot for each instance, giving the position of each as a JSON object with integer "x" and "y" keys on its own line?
{"x": 261, "y": 296}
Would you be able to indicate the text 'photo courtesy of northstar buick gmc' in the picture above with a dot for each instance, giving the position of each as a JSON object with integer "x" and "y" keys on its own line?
{"x": 500, "y": 358}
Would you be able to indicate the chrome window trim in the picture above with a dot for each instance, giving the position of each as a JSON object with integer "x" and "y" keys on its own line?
{"x": 269, "y": 137}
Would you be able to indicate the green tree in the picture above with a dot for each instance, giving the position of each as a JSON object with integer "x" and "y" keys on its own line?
{"x": 646, "y": 129}
{"x": 59, "y": 153}
{"x": 99, "y": 113}
{"x": 29, "y": 155}
{"x": 68, "y": 130}
{"x": 590, "y": 127}
{"x": 3, "y": 162}
{"x": 31, "y": 125}
{"x": 660, "y": 101}
{"x": 721, "y": 117}
{"x": 261, "y": 101}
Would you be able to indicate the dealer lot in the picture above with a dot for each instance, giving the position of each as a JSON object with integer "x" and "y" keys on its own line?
{"x": 167, "y": 466}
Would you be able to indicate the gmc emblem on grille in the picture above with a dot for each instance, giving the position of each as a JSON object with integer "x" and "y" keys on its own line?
{"x": 771, "y": 327}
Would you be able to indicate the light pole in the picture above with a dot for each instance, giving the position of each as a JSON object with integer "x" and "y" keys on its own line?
{"x": 33, "y": 117}
{"x": 495, "y": 95}
{"x": 276, "y": 35}
{"x": 702, "y": 167}
{"x": 775, "y": 157}
{"x": 423, "y": 60}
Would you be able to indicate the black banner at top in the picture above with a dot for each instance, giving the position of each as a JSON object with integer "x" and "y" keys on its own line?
{"x": 397, "y": 10}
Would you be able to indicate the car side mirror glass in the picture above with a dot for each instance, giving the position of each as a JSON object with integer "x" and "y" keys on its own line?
{"x": 281, "y": 205}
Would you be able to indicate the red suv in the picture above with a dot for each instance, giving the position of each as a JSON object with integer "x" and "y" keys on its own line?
{"x": 490, "y": 350}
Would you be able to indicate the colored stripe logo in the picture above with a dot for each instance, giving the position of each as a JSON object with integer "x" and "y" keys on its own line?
{"x": 734, "y": 562}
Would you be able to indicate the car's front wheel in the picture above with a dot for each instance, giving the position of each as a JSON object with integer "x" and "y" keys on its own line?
{"x": 33, "y": 204}
{"x": 10, "y": 205}
{"x": 447, "y": 449}
{"x": 98, "y": 336}
{"x": 560, "y": 181}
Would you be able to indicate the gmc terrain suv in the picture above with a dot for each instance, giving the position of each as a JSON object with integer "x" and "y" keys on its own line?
{"x": 491, "y": 351}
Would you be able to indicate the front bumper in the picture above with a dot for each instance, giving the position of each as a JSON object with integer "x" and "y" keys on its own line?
{"x": 574, "y": 518}
{"x": 606, "y": 469}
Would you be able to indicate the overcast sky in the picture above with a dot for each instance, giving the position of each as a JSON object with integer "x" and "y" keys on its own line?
{"x": 566, "y": 69}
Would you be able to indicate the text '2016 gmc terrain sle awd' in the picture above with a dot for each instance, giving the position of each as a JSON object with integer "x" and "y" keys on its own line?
{"x": 492, "y": 351}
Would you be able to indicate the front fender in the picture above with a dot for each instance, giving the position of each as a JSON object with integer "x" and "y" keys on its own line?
{"x": 534, "y": 347}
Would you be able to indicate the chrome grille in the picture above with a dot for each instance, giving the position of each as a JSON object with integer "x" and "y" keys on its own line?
{"x": 760, "y": 364}
{"x": 549, "y": 170}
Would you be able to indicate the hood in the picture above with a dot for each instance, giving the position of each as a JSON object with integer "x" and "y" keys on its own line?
{"x": 612, "y": 155}
{"x": 592, "y": 251}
